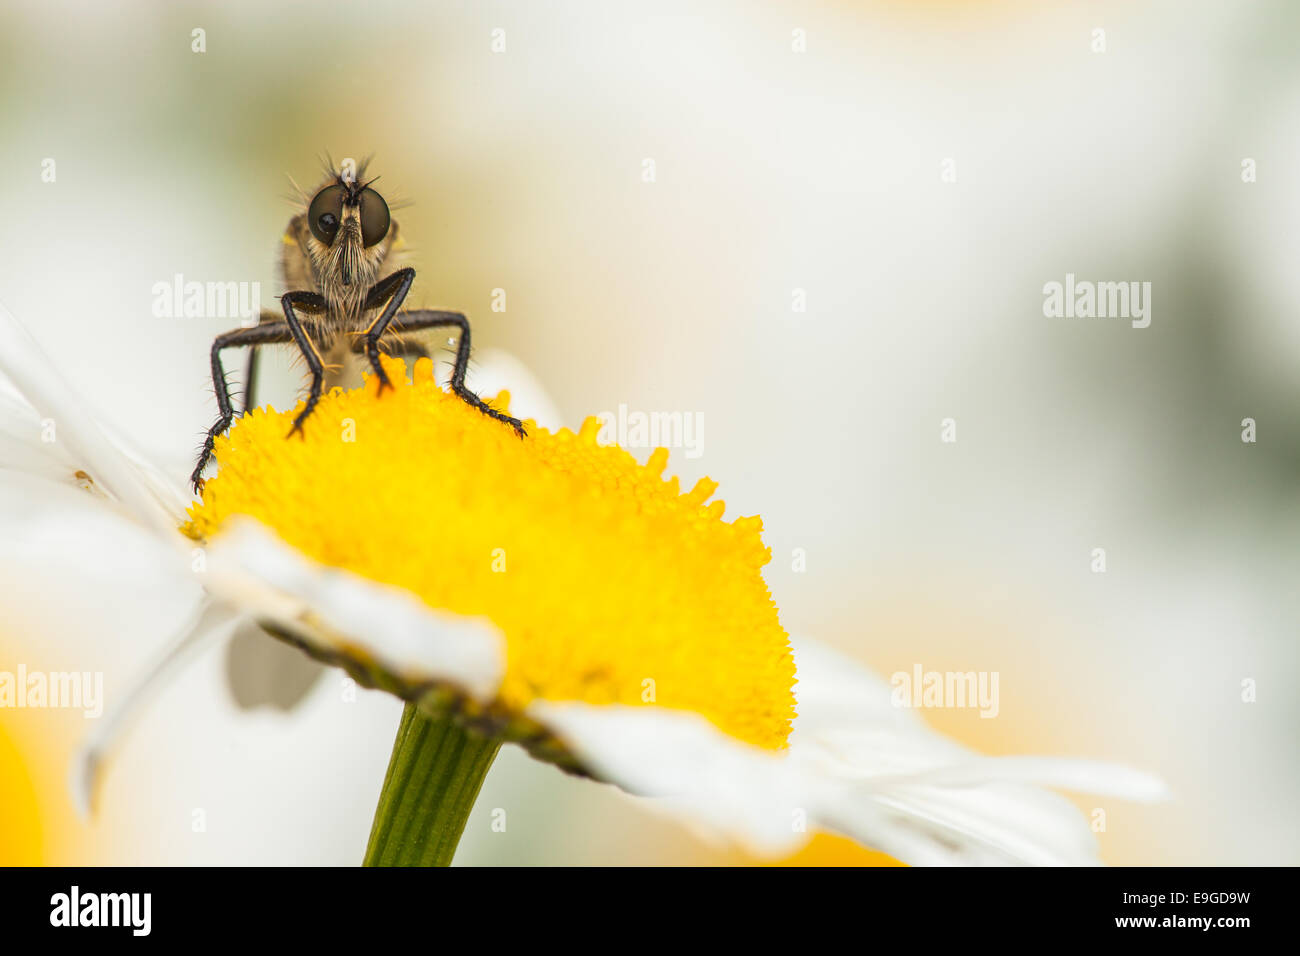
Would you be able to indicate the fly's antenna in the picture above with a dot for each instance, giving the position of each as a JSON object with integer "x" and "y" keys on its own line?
{"x": 394, "y": 205}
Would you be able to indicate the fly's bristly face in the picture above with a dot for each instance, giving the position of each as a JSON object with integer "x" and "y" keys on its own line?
{"x": 344, "y": 238}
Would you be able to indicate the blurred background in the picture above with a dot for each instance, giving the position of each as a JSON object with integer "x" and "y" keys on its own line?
{"x": 853, "y": 211}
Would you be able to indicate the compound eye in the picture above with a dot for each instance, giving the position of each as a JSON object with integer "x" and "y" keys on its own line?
{"x": 325, "y": 213}
{"x": 374, "y": 217}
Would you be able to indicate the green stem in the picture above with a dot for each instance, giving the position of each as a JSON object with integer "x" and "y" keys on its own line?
{"x": 432, "y": 782}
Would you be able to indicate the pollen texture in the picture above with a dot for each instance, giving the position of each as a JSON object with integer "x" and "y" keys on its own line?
{"x": 609, "y": 583}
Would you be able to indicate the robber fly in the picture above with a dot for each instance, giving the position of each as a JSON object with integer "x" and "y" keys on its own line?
{"x": 338, "y": 305}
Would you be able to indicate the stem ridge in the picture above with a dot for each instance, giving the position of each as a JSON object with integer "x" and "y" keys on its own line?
{"x": 433, "y": 778}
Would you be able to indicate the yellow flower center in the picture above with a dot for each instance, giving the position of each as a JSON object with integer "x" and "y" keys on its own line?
{"x": 610, "y": 585}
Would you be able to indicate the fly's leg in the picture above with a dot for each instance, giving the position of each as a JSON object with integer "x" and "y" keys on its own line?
{"x": 308, "y": 302}
{"x": 430, "y": 319}
{"x": 393, "y": 289}
{"x": 250, "y": 368}
{"x": 257, "y": 335}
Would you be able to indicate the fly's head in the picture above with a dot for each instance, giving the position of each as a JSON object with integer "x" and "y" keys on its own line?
{"x": 347, "y": 234}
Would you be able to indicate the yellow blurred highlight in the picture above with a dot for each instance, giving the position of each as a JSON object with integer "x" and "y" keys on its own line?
{"x": 20, "y": 821}
{"x": 826, "y": 849}
{"x": 39, "y": 825}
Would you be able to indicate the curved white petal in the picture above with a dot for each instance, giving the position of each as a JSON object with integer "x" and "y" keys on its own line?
{"x": 835, "y": 691}
{"x": 53, "y": 529}
{"x": 1061, "y": 773}
{"x": 210, "y": 623}
{"x": 989, "y": 808}
{"x": 147, "y": 495}
{"x": 855, "y": 765}
{"x": 989, "y": 824}
{"x": 689, "y": 769}
{"x": 21, "y": 448}
{"x": 127, "y": 580}
{"x": 251, "y": 568}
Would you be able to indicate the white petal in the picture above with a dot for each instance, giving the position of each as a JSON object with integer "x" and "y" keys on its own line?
{"x": 984, "y": 825}
{"x": 58, "y": 531}
{"x": 1061, "y": 773}
{"x": 688, "y": 769}
{"x": 21, "y": 448}
{"x": 846, "y": 715}
{"x": 835, "y": 691}
{"x": 253, "y": 569}
{"x": 209, "y": 624}
{"x": 63, "y": 551}
{"x": 770, "y": 803}
{"x": 148, "y": 496}
{"x": 856, "y": 765}
{"x": 847, "y": 728}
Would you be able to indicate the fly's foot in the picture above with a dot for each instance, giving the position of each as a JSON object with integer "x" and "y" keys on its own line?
{"x": 471, "y": 399}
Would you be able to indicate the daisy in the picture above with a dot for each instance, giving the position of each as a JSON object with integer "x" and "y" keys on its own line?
{"x": 551, "y": 593}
